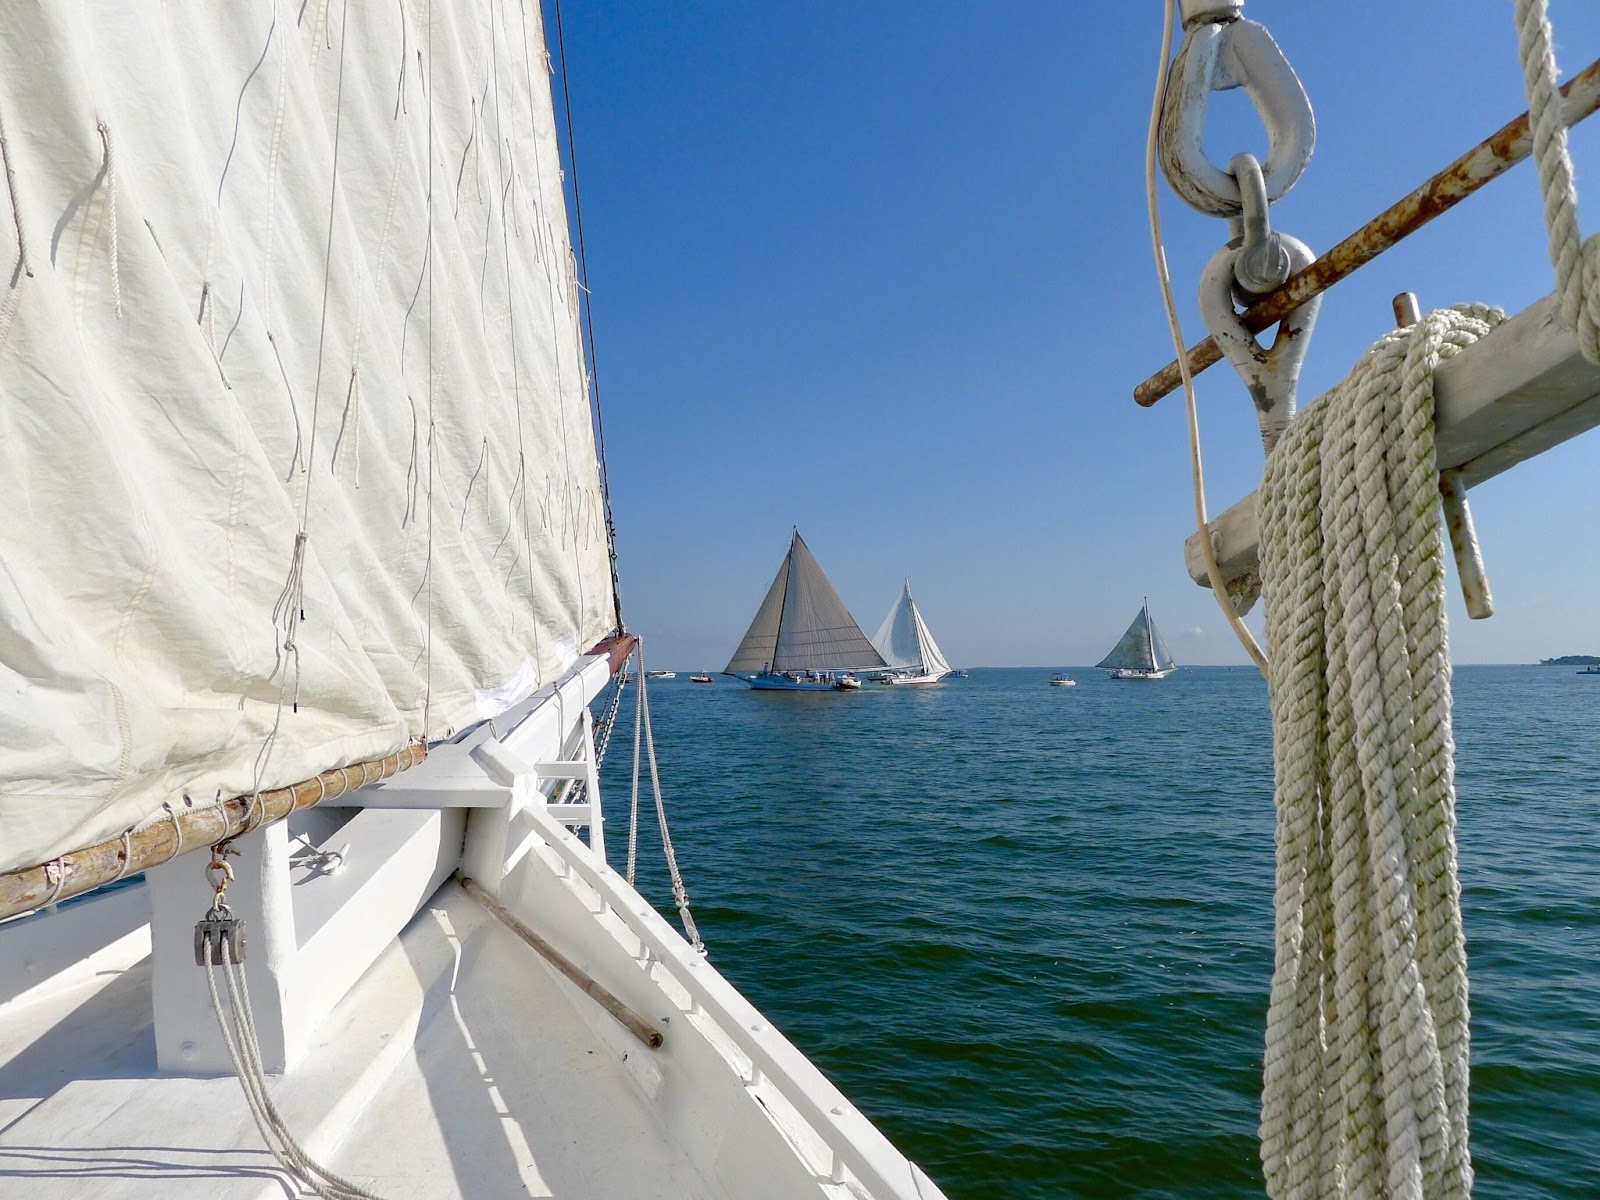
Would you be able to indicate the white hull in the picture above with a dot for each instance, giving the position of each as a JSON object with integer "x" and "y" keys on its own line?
{"x": 1135, "y": 674}
{"x": 915, "y": 680}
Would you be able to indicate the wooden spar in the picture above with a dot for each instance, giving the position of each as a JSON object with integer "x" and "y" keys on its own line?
{"x": 1487, "y": 160}
{"x": 632, "y": 1021}
{"x": 83, "y": 870}
{"x": 1514, "y": 394}
{"x": 189, "y": 829}
{"x": 616, "y": 648}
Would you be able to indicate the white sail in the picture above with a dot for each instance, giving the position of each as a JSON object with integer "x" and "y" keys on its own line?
{"x": 896, "y": 638}
{"x": 288, "y": 328}
{"x": 905, "y": 640}
{"x": 933, "y": 660}
{"x": 813, "y": 631}
{"x": 1141, "y": 648}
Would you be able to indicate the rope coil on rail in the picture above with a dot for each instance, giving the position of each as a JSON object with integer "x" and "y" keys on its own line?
{"x": 1366, "y": 1065}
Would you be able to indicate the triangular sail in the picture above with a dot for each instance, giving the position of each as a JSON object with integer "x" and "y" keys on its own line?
{"x": 817, "y": 632}
{"x": 760, "y": 642}
{"x": 933, "y": 659}
{"x": 1163, "y": 657}
{"x": 1138, "y": 649}
{"x": 905, "y": 640}
{"x": 897, "y": 637}
{"x": 802, "y": 625}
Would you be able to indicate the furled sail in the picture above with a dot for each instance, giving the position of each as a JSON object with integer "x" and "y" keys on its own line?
{"x": 296, "y": 418}
{"x": 1141, "y": 648}
{"x": 802, "y": 625}
{"x": 905, "y": 640}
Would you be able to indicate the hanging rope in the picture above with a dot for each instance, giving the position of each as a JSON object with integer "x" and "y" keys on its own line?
{"x": 641, "y": 724}
{"x": 1577, "y": 262}
{"x": 1365, "y": 1082}
{"x": 238, "y": 1027}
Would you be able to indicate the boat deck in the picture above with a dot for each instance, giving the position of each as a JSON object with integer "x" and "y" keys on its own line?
{"x": 460, "y": 1065}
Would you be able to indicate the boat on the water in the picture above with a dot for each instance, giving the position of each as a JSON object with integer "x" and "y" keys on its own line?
{"x": 703, "y": 677}
{"x": 317, "y": 571}
{"x": 1141, "y": 653}
{"x": 660, "y": 674}
{"x": 802, "y": 639}
{"x": 906, "y": 644}
{"x": 1589, "y": 671}
{"x": 1063, "y": 680}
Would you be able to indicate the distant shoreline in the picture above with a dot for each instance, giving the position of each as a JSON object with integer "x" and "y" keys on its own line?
{"x": 1571, "y": 660}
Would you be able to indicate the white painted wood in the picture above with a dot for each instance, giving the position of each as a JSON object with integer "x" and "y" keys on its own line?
{"x": 187, "y": 1038}
{"x": 1511, "y": 396}
{"x": 850, "y": 1140}
{"x": 41, "y": 948}
{"x": 566, "y": 769}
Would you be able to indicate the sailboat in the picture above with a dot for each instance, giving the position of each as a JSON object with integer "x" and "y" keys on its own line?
{"x": 907, "y": 646}
{"x": 1142, "y": 653}
{"x": 802, "y": 639}
{"x": 317, "y": 573}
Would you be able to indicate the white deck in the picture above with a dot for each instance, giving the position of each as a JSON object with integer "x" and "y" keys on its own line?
{"x": 506, "y": 1090}
{"x": 438, "y": 1056}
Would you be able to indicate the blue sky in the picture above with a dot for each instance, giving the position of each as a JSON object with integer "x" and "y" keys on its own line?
{"x": 882, "y": 271}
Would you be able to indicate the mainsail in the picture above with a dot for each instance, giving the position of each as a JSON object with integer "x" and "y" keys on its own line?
{"x": 1141, "y": 648}
{"x": 296, "y": 415}
{"x": 905, "y": 640}
{"x": 802, "y": 625}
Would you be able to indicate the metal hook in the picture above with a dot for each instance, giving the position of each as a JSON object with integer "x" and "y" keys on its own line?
{"x": 1271, "y": 374}
{"x": 1215, "y": 58}
{"x": 1262, "y": 263}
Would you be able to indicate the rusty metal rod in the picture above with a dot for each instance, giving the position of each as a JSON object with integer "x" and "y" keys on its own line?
{"x": 1487, "y": 160}
{"x": 83, "y": 870}
{"x": 632, "y": 1021}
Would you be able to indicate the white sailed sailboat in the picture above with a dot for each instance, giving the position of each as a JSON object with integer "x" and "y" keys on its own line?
{"x": 1142, "y": 653}
{"x": 906, "y": 644}
{"x": 802, "y": 639}
{"x": 316, "y": 571}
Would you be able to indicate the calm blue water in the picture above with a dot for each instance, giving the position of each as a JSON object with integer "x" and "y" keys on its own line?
{"x": 1028, "y": 929}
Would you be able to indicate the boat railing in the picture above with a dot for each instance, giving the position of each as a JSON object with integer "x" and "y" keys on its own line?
{"x": 850, "y": 1138}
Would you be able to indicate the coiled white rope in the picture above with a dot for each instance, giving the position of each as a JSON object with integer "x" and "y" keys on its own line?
{"x": 1577, "y": 263}
{"x": 1365, "y": 1082}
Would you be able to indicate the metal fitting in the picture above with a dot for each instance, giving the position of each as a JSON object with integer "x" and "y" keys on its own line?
{"x": 1262, "y": 263}
{"x": 1217, "y": 58}
{"x": 1271, "y": 374}
{"x": 1209, "y": 12}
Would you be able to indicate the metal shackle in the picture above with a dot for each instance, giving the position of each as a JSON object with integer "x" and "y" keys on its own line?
{"x": 1215, "y": 58}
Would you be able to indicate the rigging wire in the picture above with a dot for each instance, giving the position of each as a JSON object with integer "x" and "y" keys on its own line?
{"x": 588, "y": 324}
{"x": 1197, "y": 470}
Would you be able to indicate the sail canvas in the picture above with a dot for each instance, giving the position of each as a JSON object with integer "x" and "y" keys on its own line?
{"x": 1141, "y": 648}
{"x": 269, "y": 352}
{"x": 896, "y": 639}
{"x": 802, "y": 624}
{"x": 904, "y": 639}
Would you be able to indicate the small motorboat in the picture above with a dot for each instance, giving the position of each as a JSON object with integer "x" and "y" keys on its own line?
{"x": 660, "y": 674}
{"x": 847, "y": 683}
{"x": 1062, "y": 679}
{"x": 703, "y": 677}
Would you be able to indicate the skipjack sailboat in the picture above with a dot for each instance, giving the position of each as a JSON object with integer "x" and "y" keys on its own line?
{"x": 906, "y": 644}
{"x": 316, "y": 572}
{"x": 802, "y": 639}
{"x": 1142, "y": 653}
